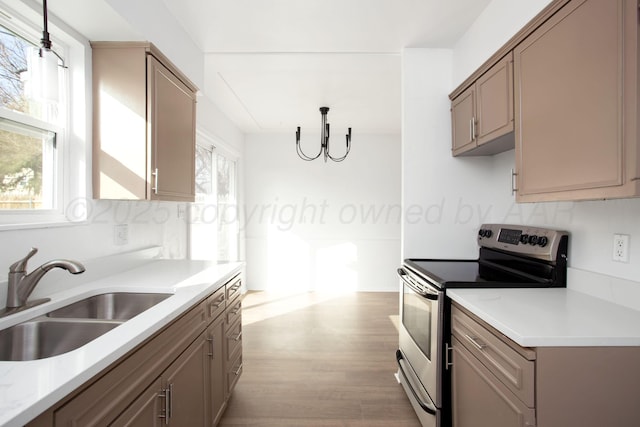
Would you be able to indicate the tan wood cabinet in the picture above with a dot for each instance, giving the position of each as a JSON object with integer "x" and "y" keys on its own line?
{"x": 143, "y": 412}
{"x": 215, "y": 337}
{"x": 179, "y": 397}
{"x": 576, "y": 83}
{"x": 179, "y": 377}
{"x": 482, "y": 115}
{"x": 479, "y": 399}
{"x": 492, "y": 383}
{"x": 233, "y": 336}
{"x": 497, "y": 383}
{"x": 144, "y": 112}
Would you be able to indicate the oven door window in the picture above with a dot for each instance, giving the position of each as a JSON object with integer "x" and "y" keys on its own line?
{"x": 417, "y": 313}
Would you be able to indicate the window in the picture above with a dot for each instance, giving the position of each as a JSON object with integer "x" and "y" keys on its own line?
{"x": 214, "y": 215}
{"x": 42, "y": 142}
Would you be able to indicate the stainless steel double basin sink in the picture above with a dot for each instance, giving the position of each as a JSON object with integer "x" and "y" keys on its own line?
{"x": 73, "y": 326}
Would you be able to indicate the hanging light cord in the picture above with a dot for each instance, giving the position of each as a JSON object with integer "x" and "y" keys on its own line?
{"x": 324, "y": 141}
{"x": 45, "y": 41}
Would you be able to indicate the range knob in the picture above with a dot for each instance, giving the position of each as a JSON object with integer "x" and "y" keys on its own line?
{"x": 485, "y": 233}
{"x": 524, "y": 239}
{"x": 533, "y": 239}
{"x": 542, "y": 241}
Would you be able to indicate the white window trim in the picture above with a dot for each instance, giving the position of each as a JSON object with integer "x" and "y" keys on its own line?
{"x": 75, "y": 142}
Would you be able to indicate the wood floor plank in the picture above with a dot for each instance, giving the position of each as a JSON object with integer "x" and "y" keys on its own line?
{"x": 319, "y": 360}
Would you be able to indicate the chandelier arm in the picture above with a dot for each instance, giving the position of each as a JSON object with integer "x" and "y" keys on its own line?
{"x": 324, "y": 141}
{"x": 339, "y": 159}
{"x": 299, "y": 149}
{"x": 325, "y": 138}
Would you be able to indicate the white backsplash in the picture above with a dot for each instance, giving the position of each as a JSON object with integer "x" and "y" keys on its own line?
{"x": 620, "y": 291}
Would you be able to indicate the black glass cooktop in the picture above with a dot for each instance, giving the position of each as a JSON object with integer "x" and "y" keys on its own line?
{"x": 473, "y": 273}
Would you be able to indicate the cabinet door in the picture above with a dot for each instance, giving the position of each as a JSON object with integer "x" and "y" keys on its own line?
{"x": 216, "y": 337}
{"x": 146, "y": 411}
{"x": 494, "y": 105}
{"x": 172, "y": 115}
{"x": 187, "y": 380}
{"x": 479, "y": 399}
{"x": 462, "y": 121}
{"x": 571, "y": 95}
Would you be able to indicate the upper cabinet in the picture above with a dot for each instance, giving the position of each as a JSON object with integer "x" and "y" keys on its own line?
{"x": 575, "y": 103}
{"x": 144, "y": 112}
{"x": 576, "y": 95}
{"x": 482, "y": 115}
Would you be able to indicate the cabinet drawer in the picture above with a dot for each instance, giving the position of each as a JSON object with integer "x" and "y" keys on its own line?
{"x": 234, "y": 340}
{"x": 233, "y": 288}
{"x": 479, "y": 399}
{"x": 234, "y": 372}
{"x": 216, "y": 303}
{"x": 233, "y": 313}
{"x": 509, "y": 366}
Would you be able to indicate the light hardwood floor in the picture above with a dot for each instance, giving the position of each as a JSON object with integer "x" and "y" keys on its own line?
{"x": 319, "y": 360}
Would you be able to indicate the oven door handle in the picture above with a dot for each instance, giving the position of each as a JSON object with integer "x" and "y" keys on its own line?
{"x": 433, "y": 296}
{"x": 427, "y": 407}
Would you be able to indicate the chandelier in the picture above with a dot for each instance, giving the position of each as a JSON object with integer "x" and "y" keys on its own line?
{"x": 324, "y": 141}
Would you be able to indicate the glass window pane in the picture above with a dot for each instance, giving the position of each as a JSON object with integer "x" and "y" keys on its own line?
{"x": 25, "y": 81}
{"x": 13, "y": 65}
{"x": 227, "y": 209}
{"x": 26, "y": 166}
{"x": 204, "y": 170}
{"x": 226, "y": 174}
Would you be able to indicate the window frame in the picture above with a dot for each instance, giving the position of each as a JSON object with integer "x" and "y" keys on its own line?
{"x": 73, "y": 135}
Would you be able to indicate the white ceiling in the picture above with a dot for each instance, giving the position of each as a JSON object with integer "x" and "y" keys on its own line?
{"x": 270, "y": 64}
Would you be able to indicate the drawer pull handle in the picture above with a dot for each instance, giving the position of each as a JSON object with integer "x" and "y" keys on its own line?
{"x": 217, "y": 303}
{"x": 477, "y": 344}
{"x": 237, "y": 371}
{"x": 156, "y": 175}
{"x": 211, "y": 349}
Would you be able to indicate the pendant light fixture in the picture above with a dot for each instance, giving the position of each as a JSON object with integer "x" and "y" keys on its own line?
{"x": 43, "y": 65}
{"x": 324, "y": 141}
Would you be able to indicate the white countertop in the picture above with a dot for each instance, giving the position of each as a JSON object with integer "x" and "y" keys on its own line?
{"x": 552, "y": 317}
{"x": 29, "y": 388}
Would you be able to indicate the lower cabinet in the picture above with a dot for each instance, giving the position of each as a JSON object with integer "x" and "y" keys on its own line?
{"x": 218, "y": 390}
{"x": 479, "y": 399}
{"x": 145, "y": 409}
{"x": 497, "y": 383}
{"x": 179, "y": 377}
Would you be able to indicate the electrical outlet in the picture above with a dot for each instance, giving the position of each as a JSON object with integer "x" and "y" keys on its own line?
{"x": 121, "y": 234}
{"x": 181, "y": 210}
{"x": 621, "y": 247}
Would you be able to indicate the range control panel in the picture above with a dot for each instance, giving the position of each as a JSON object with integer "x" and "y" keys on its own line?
{"x": 536, "y": 242}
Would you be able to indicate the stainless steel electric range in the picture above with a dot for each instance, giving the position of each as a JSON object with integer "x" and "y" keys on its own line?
{"x": 510, "y": 256}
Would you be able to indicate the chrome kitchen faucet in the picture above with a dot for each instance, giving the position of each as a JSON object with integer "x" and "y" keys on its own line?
{"x": 21, "y": 284}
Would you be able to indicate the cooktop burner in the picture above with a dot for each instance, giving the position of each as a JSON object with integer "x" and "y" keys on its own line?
{"x": 509, "y": 257}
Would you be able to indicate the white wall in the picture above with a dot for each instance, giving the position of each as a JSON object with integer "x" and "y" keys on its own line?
{"x": 497, "y": 23}
{"x": 476, "y": 190}
{"x": 322, "y": 226}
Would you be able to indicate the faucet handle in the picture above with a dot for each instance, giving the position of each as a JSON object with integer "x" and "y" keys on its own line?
{"x": 21, "y": 266}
